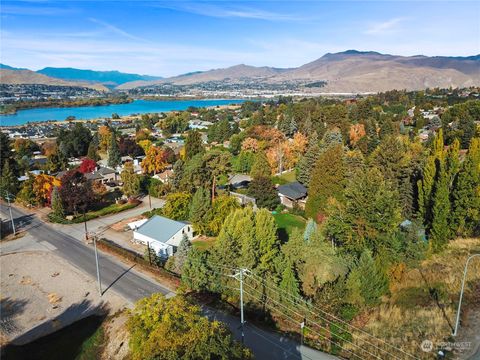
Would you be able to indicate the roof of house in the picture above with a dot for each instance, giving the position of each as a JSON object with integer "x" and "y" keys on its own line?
{"x": 239, "y": 178}
{"x": 293, "y": 190}
{"x": 104, "y": 171}
{"x": 93, "y": 176}
{"x": 160, "y": 228}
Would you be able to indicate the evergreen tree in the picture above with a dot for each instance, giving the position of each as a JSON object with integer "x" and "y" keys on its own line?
{"x": 260, "y": 167}
{"x": 8, "y": 181}
{"x": 307, "y": 161}
{"x": 92, "y": 152}
{"x": 440, "y": 230}
{"x": 193, "y": 144}
{"x": 310, "y": 229}
{"x": 327, "y": 180}
{"x": 131, "y": 182}
{"x": 289, "y": 283}
{"x": 233, "y": 246}
{"x": 466, "y": 194}
{"x": 265, "y": 194}
{"x": 369, "y": 215}
{"x": 199, "y": 209}
{"x": 181, "y": 255}
{"x": 196, "y": 272}
{"x": 26, "y": 195}
{"x": 266, "y": 238}
{"x": 57, "y": 205}
{"x": 367, "y": 282}
{"x": 114, "y": 158}
{"x": 177, "y": 177}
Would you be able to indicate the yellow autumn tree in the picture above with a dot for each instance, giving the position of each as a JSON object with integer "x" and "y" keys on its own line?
{"x": 155, "y": 160}
{"x": 43, "y": 186}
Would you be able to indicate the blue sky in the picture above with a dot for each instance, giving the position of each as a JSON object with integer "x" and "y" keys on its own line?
{"x": 172, "y": 37}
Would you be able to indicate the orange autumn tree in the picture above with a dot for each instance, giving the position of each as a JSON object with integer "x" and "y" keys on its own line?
{"x": 155, "y": 160}
{"x": 43, "y": 186}
{"x": 357, "y": 131}
{"x": 250, "y": 144}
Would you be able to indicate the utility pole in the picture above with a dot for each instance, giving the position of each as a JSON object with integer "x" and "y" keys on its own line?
{"x": 11, "y": 216}
{"x": 98, "y": 267}
{"x": 149, "y": 254}
{"x": 239, "y": 277}
{"x": 302, "y": 330}
{"x": 85, "y": 224}
{"x": 457, "y": 322}
{"x": 150, "y": 201}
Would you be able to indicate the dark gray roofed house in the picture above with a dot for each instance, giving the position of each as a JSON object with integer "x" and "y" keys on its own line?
{"x": 292, "y": 194}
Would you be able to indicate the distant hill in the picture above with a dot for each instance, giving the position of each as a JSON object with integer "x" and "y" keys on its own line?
{"x": 108, "y": 78}
{"x": 3, "y": 66}
{"x": 8, "y": 76}
{"x": 232, "y": 73}
{"x": 350, "y": 71}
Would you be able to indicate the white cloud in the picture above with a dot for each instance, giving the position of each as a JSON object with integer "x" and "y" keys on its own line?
{"x": 115, "y": 29}
{"x": 230, "y": 12}
{"x": 385, "y": 27}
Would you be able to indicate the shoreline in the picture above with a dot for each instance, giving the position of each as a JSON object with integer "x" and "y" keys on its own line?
{"x": 122, "y": 118}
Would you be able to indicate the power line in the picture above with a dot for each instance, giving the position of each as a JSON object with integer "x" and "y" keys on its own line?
{"x": 301, "y": 315}
{"x": 297, "y": 323}
{"x": 305, "y": 306}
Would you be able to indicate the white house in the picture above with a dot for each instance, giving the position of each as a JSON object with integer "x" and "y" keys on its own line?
{"x": 163, "y": 235}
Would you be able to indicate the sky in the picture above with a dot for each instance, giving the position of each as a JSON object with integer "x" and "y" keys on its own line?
{"x": 167, "y": 38}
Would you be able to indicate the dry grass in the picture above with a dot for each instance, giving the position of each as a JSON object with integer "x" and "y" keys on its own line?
{"x": 422, "y": 305}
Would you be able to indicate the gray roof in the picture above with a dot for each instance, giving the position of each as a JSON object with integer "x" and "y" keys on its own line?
{"x": 104, "y": 171}
{"x": 239, "y": 178}
{"x": 92, "y": 176}
{"x": 160, "y": 228}
{"x": 293, "y": 190}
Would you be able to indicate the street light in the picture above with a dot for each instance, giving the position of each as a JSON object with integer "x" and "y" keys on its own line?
{"x": 461, "y": 294}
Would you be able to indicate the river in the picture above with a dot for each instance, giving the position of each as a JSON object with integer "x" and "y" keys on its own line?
{"x": 23, "y": 117}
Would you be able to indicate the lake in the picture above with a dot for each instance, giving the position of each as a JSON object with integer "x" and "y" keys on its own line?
{"x": 91, "y": 112}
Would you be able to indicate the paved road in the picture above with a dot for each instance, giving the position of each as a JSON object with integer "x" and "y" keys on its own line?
{"x": 115, "y": 275}
{"x": 133, "y": 286}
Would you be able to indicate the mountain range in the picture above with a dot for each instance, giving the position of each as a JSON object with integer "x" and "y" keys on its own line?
{"x": 348, "y": 71}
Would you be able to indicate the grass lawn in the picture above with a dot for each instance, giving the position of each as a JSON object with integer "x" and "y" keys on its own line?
{"x": 107, "y": 210}
{"x": 286, "y": 223}
{"x": 285, "y": 178}
{"x": 204, "y": 243}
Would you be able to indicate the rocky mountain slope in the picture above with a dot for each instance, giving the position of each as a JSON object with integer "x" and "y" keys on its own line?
{"x": 31, "y": 77}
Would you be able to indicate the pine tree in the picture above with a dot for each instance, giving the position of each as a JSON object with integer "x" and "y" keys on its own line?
{"x": 92, "y": 152}
{"x": 181, "y": 255}
{"x": 260, "y": 167}
{"x": 307, "y": 161}
{"x": 367, "y": 282}
{"x": 176, "y": 180}
{"x": 327, "y": 180}
{"x": 131, "y": 182}
{"x": 310, "y": 229}
{"x": 193, "y": 144}
{"x": 8, "y": 181}
{"x": 57, "y": 205}
{"x": 466, "y": 194}
{"x": 289, "y": 283}
{"x": 266, "y": 238}
{"x": 198, "y": 210}
{"x": 440, "y": 230}
{"x": 114, "y": 158}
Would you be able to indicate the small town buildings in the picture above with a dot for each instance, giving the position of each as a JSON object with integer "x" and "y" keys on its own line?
{"x": 164, "y": 176}
{"x": 161, "y": 234}
{"x": 293, "y": 194}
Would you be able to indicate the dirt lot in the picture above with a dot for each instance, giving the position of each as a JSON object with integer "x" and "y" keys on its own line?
{"x": 40, "y": 293}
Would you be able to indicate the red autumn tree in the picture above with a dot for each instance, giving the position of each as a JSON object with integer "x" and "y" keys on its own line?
{"x": 87, "y": 165}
